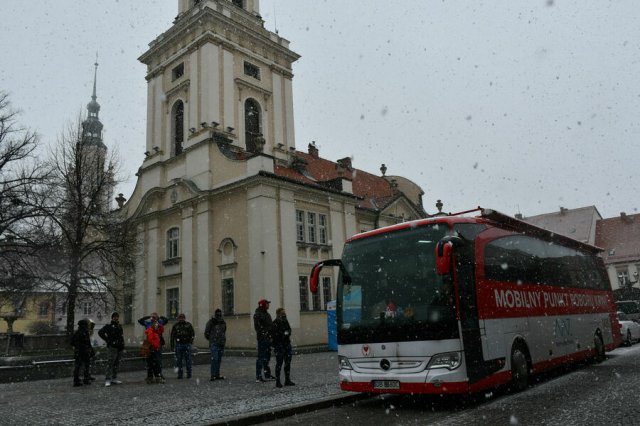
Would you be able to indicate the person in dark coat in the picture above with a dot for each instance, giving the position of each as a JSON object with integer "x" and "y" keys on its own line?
{"x": 262, "y": 324}
{"x": 113, "y": 335}
{"x": 82, "y": 353}
{"x": 216, "y": 333}
{"x": 281, "y": 340}
{"x": 182, "y": 335}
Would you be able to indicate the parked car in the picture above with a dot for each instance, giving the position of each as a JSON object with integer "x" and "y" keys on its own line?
{"x": 630, "y": 329}
{"x": 631, "y": 309}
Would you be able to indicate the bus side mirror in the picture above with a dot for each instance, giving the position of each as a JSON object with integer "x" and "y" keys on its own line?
{"x": 315, "y": 272}
{"x": 315, "y": 276}
{"x": 444, "y": 252}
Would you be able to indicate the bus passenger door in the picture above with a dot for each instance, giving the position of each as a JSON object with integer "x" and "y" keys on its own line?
{"x": 477, "y": 367}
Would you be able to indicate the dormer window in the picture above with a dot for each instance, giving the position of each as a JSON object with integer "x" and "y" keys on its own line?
{"x": 252, "y": 70}
{"x": 177, "y": 72}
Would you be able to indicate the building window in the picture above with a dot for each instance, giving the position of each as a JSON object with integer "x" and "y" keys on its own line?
{"x": 252, "y": 70}
{"x": 326, "y": 291}
{"x": 177, "y": 72}
{"x": 300, "y": 226}
{"x": 177, "y": 115}
{"x": 173, "y": 303}
{"x": 623, "y": 278}
{"x": 315, "y": 300}
{"x": 322, "y": 229}
{"x": 43, "y": 309}
{"x": 304, "y": 293}
{"x": 238, "y": 3}
{"x": 87, "y": 308}
{"x": 173, "y": 243}
{"x": 227, "y": 296}
{"x": 311, "y": 227}
{"x": 252, "y": 124}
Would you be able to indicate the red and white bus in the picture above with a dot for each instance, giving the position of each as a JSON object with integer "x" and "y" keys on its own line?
{"x": 458, "y": 304}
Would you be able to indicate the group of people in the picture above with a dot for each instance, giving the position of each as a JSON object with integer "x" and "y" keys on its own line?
{"x": 270, "y": 333}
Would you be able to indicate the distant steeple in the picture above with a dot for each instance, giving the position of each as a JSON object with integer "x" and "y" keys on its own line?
{"x": 91, "y": 126}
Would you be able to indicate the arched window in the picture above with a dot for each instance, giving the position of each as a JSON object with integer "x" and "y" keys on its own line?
{"x": 252, "y": 121}
{"x": 177, "y": 124}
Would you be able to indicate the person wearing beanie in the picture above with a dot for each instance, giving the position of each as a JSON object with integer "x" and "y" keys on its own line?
{"x": 216, "y": 333}
{"x": 262, "y": 324}
{"x": 113, "y": 335}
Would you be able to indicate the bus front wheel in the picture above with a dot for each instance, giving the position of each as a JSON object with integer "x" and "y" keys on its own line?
{"x": 519, "y": 370}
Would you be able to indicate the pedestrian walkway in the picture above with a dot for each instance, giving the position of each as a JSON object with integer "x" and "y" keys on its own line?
{"x": 196, "y": 401}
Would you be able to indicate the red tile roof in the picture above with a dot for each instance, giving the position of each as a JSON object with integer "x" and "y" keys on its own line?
{"x": 375, "y": 192}
{"x": 620, "y": 237}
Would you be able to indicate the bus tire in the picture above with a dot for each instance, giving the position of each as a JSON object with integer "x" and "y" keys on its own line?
{"x": 598, "y": 345}
{"x": 519, "y": 369}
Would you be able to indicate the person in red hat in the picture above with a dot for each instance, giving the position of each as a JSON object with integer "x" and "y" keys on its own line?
{"x": 262, "y": 323}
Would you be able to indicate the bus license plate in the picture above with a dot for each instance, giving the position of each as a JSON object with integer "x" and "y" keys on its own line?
{"x": 386, "y": 384}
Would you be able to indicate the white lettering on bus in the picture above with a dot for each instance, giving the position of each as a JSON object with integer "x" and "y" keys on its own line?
{"x": 517, "y": 299}
{"x": 535, "y": 299}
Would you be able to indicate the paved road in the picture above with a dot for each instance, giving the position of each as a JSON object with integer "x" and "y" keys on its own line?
{"x": 196, "y": 401}
{"x": 597, "y": 394}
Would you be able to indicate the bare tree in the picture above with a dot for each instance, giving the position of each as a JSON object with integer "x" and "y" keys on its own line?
{"x": 21, "y": 175}
{"x": 97, "y": 245}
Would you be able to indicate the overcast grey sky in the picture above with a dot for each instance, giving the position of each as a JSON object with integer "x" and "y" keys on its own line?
{"x": 517, "y": 105}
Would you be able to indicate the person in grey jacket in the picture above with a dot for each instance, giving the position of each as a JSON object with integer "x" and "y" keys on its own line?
{"x": 216, "y": 333}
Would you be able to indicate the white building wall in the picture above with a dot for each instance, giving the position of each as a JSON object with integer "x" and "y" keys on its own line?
{"x": 264, "y": 270}
{"x": 186, "y": 242}
{"x": 288, "y": 97}
{"x": 203, "y": 260}
{"x": 209, "y": 85}
{"x": 290, "y": 292}
{"x": 229, "y": 89}
{"x": 277, "y": 110}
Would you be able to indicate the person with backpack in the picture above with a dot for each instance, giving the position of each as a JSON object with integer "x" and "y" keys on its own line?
{"x": 182, "y": 335}
{"x": 216, "y": 333}
{"x": 112, "y": 334}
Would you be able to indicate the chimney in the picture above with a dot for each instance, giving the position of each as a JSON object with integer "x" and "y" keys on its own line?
{"x": 518, "y": 216}
{"x": 313, "y": 150}
{"x": 346, "y": 163}
{"x": 563, "y": 210}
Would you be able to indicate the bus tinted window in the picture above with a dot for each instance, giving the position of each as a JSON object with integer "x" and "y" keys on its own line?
{"x": 529, "y": 260}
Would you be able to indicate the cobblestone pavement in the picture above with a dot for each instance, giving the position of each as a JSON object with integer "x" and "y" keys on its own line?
{"x": 195, "y": 401}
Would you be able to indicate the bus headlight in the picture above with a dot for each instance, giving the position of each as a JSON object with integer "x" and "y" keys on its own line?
{"x": 449, "y": 360}
{"x": 343, "y": 363}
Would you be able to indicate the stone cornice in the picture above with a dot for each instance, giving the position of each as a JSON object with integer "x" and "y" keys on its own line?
{"x": 206, "y": 16}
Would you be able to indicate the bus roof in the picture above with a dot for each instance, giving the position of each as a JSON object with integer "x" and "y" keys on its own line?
{"x": 489, "y": 217}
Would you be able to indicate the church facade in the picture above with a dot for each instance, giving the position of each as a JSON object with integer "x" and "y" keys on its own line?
{"x": 228, "y": 210}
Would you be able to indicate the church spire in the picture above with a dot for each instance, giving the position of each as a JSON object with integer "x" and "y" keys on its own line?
{"x": 91, "y": 126}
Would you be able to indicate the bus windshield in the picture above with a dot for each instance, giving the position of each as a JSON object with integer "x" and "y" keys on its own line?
{"x": 393, "y": 292}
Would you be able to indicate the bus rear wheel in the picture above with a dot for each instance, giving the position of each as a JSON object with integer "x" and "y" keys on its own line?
{"x": 519, "y": 370}
{"x": 598, "y": 345}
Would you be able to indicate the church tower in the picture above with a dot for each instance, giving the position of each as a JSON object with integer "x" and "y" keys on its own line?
{"x": 95, "y": 151}
{"x": 218, "y": 74}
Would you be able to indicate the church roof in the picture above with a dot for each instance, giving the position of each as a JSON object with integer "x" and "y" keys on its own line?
{"x": 373, "y": 192}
